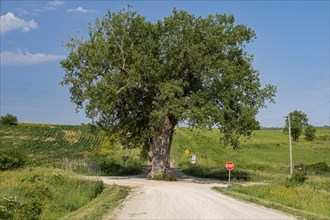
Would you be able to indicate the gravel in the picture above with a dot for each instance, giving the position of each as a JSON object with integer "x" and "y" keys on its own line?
{"x": 187, "y": 198}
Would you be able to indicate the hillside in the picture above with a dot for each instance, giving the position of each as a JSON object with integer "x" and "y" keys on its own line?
{"x": 265, "y": 153}
{"x": 49, "y": 139}
{"x": 264, "y": 157}
{"x": 79, "y": 148}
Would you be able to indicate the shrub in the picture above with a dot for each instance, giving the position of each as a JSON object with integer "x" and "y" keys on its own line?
{"x": 111, "y": 167}
{"x": 8, "y": 119}
{"x": 164, "y": 177}
{"x": 93, "y": 129}
{"x": 44, "y": 194}
{"x": 310, "y": 133}
{"x": 321, "y": 167}
{"x": 11, "y": 159}
{"x": 297, "y": 179}
{"x": 12, "y": 208}
{"x": 216, "y": 173}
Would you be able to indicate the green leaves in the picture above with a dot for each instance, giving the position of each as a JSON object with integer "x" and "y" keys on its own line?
{"x": 299, "y": 120}
{"x": 131, "y": 74}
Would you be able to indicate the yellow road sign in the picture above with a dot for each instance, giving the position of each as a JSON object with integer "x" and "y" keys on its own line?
{"x": 187, "y": 151}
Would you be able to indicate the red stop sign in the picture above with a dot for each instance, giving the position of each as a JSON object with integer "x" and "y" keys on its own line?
{"x": 229, "y": 165}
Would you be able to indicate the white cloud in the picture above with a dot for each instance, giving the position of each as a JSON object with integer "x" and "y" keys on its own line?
{"x": 56, "y": 3}
{"x": 10, "y": 22}
{"x": 81, "y": 10}
{"x": 26, "y": 58}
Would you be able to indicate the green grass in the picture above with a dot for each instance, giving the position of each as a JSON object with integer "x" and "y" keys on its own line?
{"x": 298, "y": 200}
{"x": 52, "y": 140}
{"x": 104, "y": 204}
{"x": 265, "y": 158}
{"x": 69, "y": 147}
{"x": 44, "y": 193}
{"x": 164, "y": 177}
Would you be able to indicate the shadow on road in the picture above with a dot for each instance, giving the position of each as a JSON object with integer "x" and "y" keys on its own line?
{"x": 181, "y": 177}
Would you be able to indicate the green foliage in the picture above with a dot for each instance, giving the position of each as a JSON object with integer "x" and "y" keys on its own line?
{"x": 299, "y": 200}
{"x": 297, "y": 179}
{"x": 299, "y": 121}
{"x": 109, "y": 167}
{"x": 104, "y": 203}
{"x": 71, "y": 148}
{"x": 43, "y": 194}
{"x": 133, "y": 75}
{"x": 318, "y": 168}
{"x": 216, "y": 173}
{"x": 55, "y": 140}
{"x": 310, "y": 133}
{"x": 261, "y": 157}
{"x": 8, "y": 119}
{"x": 164, "y": 177}
{"x": 93, "y": 129}
{"x": 100, "y": 165}
{"x": 12, "y": 208}
{"x": 11, "y": 159}
{"x": 47, "y": 145}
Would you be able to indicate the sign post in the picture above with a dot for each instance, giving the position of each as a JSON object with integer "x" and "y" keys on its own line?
{"x": 229, "y": 167}
{"x": 124, "y": 158}
{"x": 193, "y": 159}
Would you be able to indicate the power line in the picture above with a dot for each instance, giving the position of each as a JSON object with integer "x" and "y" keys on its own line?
{"x": 318, "y": 107}
{"x": 321, "y": 121}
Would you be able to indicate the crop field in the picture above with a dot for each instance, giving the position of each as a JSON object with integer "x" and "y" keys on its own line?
{"x": 50, "y": 139}
{"x": 76, "y": 148}
{"x": 262, "y": 158}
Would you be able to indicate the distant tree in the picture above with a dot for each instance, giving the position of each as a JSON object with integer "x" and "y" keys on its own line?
{"x": 8, "y": 119}
{"x": 299, "y": 121}
{"x": 310, "y": 133}
{"x": 138, "y": 79}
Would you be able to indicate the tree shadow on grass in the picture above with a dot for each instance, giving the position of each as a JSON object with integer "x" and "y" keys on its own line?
{"x": 216, "y": 173}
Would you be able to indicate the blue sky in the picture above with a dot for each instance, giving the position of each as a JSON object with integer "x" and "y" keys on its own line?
{"x": 291, "y": 51}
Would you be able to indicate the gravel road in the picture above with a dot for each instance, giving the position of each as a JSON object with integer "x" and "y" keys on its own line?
{"x": 188, "y": 198}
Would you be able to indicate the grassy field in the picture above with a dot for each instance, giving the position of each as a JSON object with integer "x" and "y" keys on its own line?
{"x": 76, "y": 148}
{"x": 264, "y": 157}
{"x": 39, "y": 191}
{"x": 104, "y": 204}
{"x": 44, "y": 193}
{"x": 52, "y": 140}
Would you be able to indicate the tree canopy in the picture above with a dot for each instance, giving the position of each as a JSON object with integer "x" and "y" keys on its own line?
{"x": 299, "y": 120}
{"x": 139, "y": 79}
{"x": 310, "y": 133}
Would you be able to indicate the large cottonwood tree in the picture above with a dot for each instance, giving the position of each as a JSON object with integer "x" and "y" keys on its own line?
{"x": 138, "y": 79}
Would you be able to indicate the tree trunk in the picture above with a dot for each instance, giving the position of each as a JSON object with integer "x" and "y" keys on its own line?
{"x": 160, "y": 148}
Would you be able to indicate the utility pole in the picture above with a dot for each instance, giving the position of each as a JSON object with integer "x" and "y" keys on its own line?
{"x": 289, "y": 124}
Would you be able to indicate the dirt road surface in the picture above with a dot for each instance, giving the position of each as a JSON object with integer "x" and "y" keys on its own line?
{"x": 187, "y": 198}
